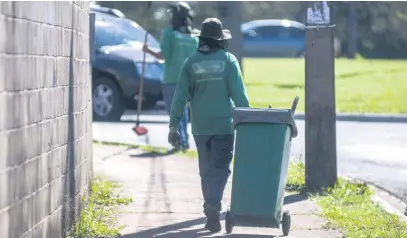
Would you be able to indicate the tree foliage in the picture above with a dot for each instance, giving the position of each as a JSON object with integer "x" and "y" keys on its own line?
{"x": 381, "y": 26}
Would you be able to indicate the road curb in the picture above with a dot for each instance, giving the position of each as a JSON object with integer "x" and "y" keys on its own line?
{"x": 387, "y": 118}
{"x": 388, "y": 207}
{"x": 389, "y": 202}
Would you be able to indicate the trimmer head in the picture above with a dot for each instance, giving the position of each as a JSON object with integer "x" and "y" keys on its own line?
{"x": 140, "y": 130}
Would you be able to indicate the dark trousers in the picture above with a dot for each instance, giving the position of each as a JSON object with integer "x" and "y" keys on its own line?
{"x": 168, "y": 95}
{"x": 215, "y": 154}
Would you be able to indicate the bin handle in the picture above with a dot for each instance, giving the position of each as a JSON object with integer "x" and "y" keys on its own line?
{"x": 294, "y": 105}
{"x": 294, "y": 126}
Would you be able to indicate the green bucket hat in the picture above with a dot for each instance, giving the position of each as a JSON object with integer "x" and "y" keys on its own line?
{"x": 212, "y": 28}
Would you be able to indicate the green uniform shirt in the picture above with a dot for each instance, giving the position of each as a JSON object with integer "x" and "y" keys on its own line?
{"x": 176, "y": 47}
{"x": 213, "y": 82}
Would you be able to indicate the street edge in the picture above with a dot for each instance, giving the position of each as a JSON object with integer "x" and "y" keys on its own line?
{"x": 368, "y": 117}
{"x": 388, "y": 207}
{"x": 384, "y": 202}
{"x": 364, "y": 117}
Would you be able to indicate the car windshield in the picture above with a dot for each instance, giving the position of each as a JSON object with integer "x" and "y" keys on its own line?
{"x": 122, "y": 31}
{"x": 136, "y": 33}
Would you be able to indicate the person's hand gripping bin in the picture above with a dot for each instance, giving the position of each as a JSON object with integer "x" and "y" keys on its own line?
{"x": 262, "y": 151}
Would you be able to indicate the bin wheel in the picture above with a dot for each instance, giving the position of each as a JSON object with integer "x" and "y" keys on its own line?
{"x": 229, "y": 223}
{"x": 286, "y": 222}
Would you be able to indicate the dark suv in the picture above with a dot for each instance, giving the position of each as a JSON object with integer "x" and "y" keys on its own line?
{"x": 117, "y": 68}
{"x": 106, "y": 10}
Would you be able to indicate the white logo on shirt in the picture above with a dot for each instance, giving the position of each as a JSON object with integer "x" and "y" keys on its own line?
{"x": 209, "y": 66}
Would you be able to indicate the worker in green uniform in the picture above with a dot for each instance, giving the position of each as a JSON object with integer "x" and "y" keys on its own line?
{"x": 177, "y": 43}
{"x": 212, "y": 80}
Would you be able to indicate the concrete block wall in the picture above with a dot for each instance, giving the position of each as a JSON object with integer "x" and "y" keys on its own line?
{"x": 45, "y": 116}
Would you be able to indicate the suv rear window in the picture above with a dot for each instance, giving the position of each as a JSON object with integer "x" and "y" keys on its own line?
{"x": 107, "y": 35}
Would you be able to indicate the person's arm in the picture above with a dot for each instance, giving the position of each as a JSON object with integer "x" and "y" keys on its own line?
{"x": 236, "y": 85}
{"x": 156, "y": 54}
{"x": 181, "y": 97}
{"x": 165, "y": 46}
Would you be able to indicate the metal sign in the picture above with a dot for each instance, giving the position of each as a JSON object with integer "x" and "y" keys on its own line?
{"x": 318, "y": 13}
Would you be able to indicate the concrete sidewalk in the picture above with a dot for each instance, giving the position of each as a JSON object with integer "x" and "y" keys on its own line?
{"x": 168, "y": 201}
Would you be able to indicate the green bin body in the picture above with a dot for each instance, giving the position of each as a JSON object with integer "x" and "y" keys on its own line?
{"x": 262, "y": 151}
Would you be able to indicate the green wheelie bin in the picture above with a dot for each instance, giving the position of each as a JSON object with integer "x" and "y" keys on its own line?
{"x": 262, "y": 151}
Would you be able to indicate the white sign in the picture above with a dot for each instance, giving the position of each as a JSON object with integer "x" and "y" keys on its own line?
{"x": 319, "y": 13}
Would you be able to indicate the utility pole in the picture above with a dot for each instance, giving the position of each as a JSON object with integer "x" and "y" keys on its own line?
{"x": 320, "y": 112}
{"x": 230, "y": 13}
{"x": 352, "y": 30}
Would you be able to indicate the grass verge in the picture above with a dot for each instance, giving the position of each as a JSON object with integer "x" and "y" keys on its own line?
{"x": 99, "y": 217}
{"x": 152, "y": 149}
{"x": 348, "y": 207}
{"x": 165, "y": 151}
{"x": 296, "y": 177}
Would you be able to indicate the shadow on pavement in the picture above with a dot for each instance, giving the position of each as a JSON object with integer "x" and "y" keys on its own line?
{"x": 157, "y": 170}
{"x": 141, "y": 121}
{"x": 185, "y": 230}
{"x": 293, "y": 198}
{"x": 188, "y": 229}
{"x": 154, "y": 154}
{"x": 133, "y": 121}
{"x": 161, "y": 231}
{"x": 108, "y": 156}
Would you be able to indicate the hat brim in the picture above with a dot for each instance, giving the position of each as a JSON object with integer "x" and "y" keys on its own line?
{"x": 225, "y": 35}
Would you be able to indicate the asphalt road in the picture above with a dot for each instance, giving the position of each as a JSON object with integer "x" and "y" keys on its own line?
{"x": 373, "y": 152}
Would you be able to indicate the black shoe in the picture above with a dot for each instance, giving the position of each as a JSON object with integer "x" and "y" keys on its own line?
{"x": 213, "y": 222}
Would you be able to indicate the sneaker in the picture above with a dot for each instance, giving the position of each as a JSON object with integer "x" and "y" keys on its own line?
{"x": 213, "y": 221}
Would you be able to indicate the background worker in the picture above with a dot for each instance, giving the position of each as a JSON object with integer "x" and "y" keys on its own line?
{"x": 177, "y": 43}
{"x": 212, "y": 79}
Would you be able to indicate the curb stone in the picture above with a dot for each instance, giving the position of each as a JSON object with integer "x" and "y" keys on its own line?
{"x": 388, "y": 207}
{"x": 388, "y": 203}
{"x": 368, "y": 117}
{"x": 365, "y": 117}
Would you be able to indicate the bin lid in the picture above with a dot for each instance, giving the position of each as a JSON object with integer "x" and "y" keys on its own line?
{"x": 266, "y": 115}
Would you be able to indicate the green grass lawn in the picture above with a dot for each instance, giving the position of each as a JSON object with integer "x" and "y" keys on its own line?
{"x": 365, "y": 86}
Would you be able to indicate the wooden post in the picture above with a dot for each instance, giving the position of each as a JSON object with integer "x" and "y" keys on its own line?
{"x": 352, "y": 29}
{"x": 320, "y": 114}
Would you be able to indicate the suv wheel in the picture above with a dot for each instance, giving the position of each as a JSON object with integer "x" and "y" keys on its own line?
{"x": 107, "y": 100}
